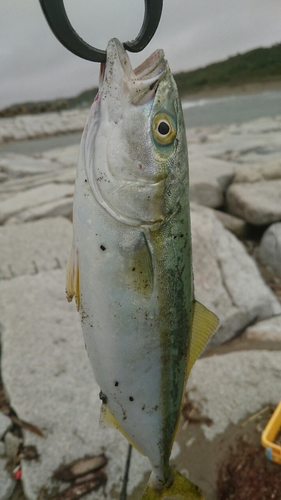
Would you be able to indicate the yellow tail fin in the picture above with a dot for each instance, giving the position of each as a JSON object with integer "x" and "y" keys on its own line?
{"x": 180, "y": 489}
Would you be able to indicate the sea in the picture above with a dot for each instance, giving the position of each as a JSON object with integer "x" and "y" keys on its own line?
{"x": 223, "y": 110}
{"x": 231, "y": 109}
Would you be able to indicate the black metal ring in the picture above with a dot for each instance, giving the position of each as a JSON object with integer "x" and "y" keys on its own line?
{"x": 59, "y": 23}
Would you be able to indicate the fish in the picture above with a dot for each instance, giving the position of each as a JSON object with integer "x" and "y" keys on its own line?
{"x": 130, "y": 265}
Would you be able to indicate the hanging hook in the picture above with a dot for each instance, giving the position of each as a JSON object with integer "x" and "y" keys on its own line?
{"x": 59, "y": 23}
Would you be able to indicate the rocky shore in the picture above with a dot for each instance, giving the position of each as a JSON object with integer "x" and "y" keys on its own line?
{"x": 235, "y": 192}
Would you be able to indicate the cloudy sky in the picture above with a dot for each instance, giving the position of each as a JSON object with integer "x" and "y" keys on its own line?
{"x": 193, "y": 33}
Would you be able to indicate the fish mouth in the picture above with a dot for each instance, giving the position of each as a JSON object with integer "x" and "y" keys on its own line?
{"x": 119, "y": 80}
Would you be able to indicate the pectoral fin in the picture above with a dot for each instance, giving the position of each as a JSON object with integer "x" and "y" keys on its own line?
{"x": 204, "y": 325}
{"x": 72, "y": 277}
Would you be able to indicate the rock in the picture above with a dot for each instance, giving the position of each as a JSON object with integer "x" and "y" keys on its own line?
{"x": 268, "y": 329}
{"x": 45, "y": 124}
{"x": 5, "y": 423}
{"x": 270, "y": 248}
{"x": 58, "y": 208}
{"x": 2, "y": 452}
{"x": 258, "y": 173}
{"x": 12, "y": 444}
{"x": 229, "y": 387}
{"x": 209, "y": 179}
{"x": 233, "y": 224}
{"x": 258, "y": 203}
{"x": 21, "y": 165}
{"x": 34, "y": 247}
{"x": 53, "y": 386}
{"x": 6, "y": 482}
{"x": 29, "y": 205}
{"x": 226, "y": 278}
{"x": 67, "y": 156}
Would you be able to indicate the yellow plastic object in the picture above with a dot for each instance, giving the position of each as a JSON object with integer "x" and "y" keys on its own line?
{"x": 273, "y": 450}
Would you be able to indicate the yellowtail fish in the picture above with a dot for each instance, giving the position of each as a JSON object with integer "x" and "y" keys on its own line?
{"x": 130, "y": 267}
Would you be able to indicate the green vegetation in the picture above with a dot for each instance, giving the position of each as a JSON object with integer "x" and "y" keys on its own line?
{"x": 259, "y": 65}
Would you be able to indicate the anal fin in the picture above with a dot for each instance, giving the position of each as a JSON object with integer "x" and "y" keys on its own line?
{"x": 73, "y": 277}
{"x": 108, "y": 420}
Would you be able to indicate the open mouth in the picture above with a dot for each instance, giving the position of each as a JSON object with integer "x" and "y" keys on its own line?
{"x": 141, "y": 82}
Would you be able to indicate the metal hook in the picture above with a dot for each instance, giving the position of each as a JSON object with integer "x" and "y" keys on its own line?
{"x": 59, "y": 23}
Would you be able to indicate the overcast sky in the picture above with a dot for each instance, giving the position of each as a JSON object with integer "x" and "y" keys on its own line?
{"x": 193, "y": 33}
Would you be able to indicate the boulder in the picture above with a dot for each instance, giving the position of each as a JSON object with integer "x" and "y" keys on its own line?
{"x": 209, "y": 179}
{"x": 260, "y": 172}
{"x": 20, "y": 165}
{"x": 29, "y": 205}
{"x": 258, "y": 203}
{"x": 49, "y": 383}
{"x": 234, "y": 224}
{"x": 226, "y": 277}
{"x": 34, "y": 247}
{"x": 227, "y": 388}
{"x": 270, "y": 248}
{"x": 268, "y": 329}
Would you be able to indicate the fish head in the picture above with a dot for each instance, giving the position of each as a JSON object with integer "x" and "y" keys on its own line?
{"x": 135, "y": 139}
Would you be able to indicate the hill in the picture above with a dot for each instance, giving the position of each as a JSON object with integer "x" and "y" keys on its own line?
{"x": 262, "y": 65}
{"x": 258, "y": 65}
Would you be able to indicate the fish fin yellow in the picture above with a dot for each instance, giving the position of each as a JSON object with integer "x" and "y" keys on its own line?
{"x": 180, "y": 489}
{"x": 72, "y": 277}
{"x": 204, "y": 324}
{"x": 108, "y": 420}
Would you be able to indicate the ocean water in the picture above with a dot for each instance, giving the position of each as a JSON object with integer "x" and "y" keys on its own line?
{"x": 231, "y": 109}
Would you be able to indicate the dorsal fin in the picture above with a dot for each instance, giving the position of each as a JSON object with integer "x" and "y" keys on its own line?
{"x": 72, "y": 277}
{"x": 204, "y": 324}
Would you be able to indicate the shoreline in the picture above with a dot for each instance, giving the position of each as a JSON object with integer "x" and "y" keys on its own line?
{"x": 226, "y": 90}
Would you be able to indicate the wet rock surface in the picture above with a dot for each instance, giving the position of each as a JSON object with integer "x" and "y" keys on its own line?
{"x": 47, "y": 378}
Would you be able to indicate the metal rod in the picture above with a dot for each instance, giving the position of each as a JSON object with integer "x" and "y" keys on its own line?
{"x": 123, "y": 495}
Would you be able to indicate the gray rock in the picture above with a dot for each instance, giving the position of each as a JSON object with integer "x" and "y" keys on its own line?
{"x": 45, "y": 124}
{"x": 260, "y": 172}
{"x": 53, "y": 386}
{"x": 209, "y": 179}
{"x": 270, "y": 248}
{"x": 5, "y": 423}
{"x": 229, "y": 387}
{"x": 12, "y": 444}
{"x": 2, "y": 450}
{"x": 21, "y": 165}
{"x": 268, "y": 329}
{"x": 6, "y": 482}
{"x": 67, "y": 156}
{"x": 34, "y": 247}
{"x": 23, "y": 206}
{"x": 227, "y": 279}
{"x": 58, "y": 208}
{"x": 234, "y": 224}
{"x": 258, "y": 203}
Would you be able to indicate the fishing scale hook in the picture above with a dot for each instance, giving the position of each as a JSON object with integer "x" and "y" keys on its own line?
{"x": 59, "y": 23}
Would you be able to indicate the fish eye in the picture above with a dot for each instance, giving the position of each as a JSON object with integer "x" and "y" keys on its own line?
{"x": 163, "y": 129}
